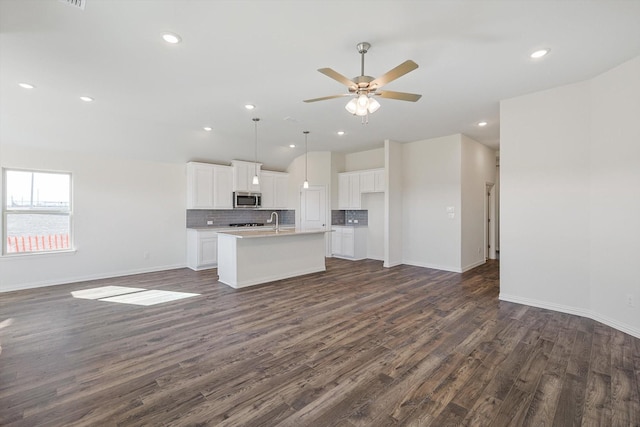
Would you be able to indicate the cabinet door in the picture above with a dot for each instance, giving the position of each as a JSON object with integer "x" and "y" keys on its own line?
{"x": 343, "y": 191}
{"x": 222, "y": 187}
{"x": 267, "y": 183}
{"x": 207, "y": 251}
{"x": 348, "y": 242}
{"x": 367, "y": 182}
{"x": 336, "y": 241}
{"x": 240, "y": 175}
{"x": 378, "y": 177}
{"x": 282, "y": 191}
{"x": 354, "y": 191}
{"x": 199, "y": 186}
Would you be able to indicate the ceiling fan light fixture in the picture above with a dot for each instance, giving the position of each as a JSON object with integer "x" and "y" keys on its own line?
{"x": 362, "y": 105}
{"x": 351, "y": 106}
{"x": 373, "y": 105}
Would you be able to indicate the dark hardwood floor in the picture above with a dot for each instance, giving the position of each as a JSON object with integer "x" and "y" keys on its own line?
{"x": 358, "y": 345}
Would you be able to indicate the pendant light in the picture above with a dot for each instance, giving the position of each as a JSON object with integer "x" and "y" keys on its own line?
{"x": 306, "y": 181}
{"x": 256, "y": 180}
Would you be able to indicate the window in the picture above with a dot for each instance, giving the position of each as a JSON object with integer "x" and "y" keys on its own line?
{"x": 36, "y": 211}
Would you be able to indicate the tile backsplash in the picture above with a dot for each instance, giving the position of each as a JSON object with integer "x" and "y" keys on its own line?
{"x": 349, "y": 217}
{"x": 223, "y": 217}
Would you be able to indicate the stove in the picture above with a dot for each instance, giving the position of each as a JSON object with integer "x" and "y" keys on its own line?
{"x": 247, "y": 224}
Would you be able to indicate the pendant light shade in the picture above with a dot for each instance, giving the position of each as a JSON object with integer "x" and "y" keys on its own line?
{"x": 306, "y": 151}
{"x": 256, "y": 180}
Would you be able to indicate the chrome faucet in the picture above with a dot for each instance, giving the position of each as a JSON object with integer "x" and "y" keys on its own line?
{"x": 270, "y": 220}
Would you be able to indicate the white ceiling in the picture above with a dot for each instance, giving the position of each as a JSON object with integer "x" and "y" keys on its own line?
{"x": 153, "y": 99}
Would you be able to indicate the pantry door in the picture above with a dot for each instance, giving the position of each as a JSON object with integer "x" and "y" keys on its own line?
{"x": 313, "y": 209}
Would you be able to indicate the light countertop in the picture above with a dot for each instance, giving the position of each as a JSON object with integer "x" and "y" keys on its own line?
{"x": 270, "y": 232}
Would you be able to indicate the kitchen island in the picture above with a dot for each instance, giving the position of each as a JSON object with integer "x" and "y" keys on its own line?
{"x": 251, "y": 257}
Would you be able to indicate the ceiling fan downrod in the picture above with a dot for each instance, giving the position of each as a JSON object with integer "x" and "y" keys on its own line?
{"x": 362, "y": 49}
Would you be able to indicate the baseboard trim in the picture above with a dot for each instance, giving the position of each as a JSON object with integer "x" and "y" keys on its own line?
{"x": 433, "y": 266}
{"x": 474, "y": 265}
{"x": 620, "y": 326}
{"x": 69, "y": 280}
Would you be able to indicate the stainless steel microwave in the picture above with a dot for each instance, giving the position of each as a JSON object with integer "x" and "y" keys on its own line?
{"x": 246, "y": 200}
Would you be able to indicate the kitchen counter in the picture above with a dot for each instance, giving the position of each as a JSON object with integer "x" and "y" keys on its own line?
{"x": 251, "y": 257}
{"x": 269, "y": 232}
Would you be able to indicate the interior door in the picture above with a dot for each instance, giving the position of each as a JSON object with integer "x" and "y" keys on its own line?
{"x": 313, "y": 209}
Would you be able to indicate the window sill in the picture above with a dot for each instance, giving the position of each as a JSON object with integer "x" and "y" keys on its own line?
{"x": 23, "y": 255}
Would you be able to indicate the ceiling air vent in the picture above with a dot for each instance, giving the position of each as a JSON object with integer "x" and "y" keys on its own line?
{"x": 75, "y": 3}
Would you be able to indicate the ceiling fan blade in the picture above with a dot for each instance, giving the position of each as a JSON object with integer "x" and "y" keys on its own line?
{"x": 402, "y": 96}
{"x": 327, "y": 97}
{"x": 338, "y": 77}
{"x": 393, "y": 74}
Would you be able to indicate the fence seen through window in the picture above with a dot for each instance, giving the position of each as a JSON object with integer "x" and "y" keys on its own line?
{"x": 36, "y": 211}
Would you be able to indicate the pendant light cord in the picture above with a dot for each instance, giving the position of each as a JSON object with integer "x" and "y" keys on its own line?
{"x": 255, "y": 121}
{"x": 306, "y": 154}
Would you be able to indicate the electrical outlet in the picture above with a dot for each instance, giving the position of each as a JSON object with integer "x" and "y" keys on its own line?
{"x": 209, "y": 222}
{"x": 630, "y": 300}
{"x": 145, "y": 255}
{"x": 479, "y": 251}
{"x": 355, "y": 221}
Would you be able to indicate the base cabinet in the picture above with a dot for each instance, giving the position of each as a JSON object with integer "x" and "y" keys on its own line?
{"x": 202, "y": 249}
{"x": 349, "y": 242}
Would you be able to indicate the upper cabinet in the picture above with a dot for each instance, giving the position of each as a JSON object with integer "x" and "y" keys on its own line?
{"x": 352, "y": 184}
{"x": 275, "y": 189}
{"x": 209, "y": 186}
{"x": 349, "y": 190}
{"x": 243, "y": 173}
{"x": 372, "y": 181}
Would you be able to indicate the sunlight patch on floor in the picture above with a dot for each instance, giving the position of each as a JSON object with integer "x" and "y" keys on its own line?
{"x": 126, "y": 295}
{"x": 104, "y": 292}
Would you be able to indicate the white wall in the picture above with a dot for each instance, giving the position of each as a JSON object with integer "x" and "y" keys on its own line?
{"x": 478, "y": 167}
{"x": 122, "y": 209}
{"x": 615, "y": 195}
{"x": 393, "y": 203}
{"x": 570, "y": 198}
{"x": 370, "y": 159}
{"x": 374, "y": 204}
{"x": 431, "y": 182}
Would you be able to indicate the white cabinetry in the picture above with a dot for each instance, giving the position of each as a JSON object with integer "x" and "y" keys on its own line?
{"x": 209, "y": 186}
{"x": 349, "y": 190}
{"x": 275, "y": 189}
{"x": 243, "y": 173}
{"x": 372, "y": 181}
{"x": 349, "y": 242}
{"x": 202, "y": 249}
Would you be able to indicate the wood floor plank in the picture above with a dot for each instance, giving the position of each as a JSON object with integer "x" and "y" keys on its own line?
{"x": 356, "y": 345}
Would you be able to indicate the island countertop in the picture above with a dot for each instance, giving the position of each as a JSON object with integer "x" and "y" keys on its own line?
{"x": 252, "y": 234}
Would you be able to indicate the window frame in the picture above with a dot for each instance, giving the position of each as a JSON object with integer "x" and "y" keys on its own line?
{"x": 6, "y": 212}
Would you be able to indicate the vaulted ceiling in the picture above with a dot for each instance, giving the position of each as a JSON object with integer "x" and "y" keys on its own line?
{"x": 152, "y": 99}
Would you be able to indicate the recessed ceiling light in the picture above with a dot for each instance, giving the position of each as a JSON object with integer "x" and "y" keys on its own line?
{"x": 86, "y": 98}
{"x": 340, "y": 132}
{"x": 292, "y": 145}
{"x": 482, "y": 123}
{"x": 249, "y": 106}
{"x": 540, "y": 53}
{"x": 207, "y": 128}
{"x": 171, "y": 38}
{"x": 26, "y": 85}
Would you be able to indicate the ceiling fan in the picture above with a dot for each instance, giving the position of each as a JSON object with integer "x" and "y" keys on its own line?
{"x": 363, "y": 88}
